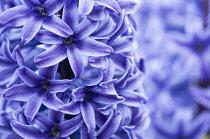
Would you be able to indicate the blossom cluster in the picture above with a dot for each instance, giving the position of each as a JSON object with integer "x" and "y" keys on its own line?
{"x": 176, "y": 46}
{"x": 68, "y": 69}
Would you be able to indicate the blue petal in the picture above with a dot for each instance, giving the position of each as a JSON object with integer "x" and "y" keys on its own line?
{"x": 26, "y": 131}
{"x": 70, "y": 13}
{"x": 49, "y": 72}
{"x": 88, "y": 115}
{"x": 13, "y": 14}
{"x": 6, "y": 74}
{"x": 111, "y": 125}
{"x": 57, "y": 26}
{"x": 31, "y": 28}
{"x": 56, "y": 116}
{"x": 97, "y": 13}
{"x": 59, "y": 85}
{"x": 78, "y": 94}
{"x": 29, "y": 76}
{"x": 70, "y": 126}
{"x": 72, "y": 108}
{"x": 20, "y": 21}
{"x": 33, "y": 105}
{"x": 119, "y": 24}
{"x": 105, "y": 98}
{"x": 30, "y": 3}
{"x": 134, "y": 81}
{"x": 106, "y": 27}
{"x": 96, "y": 80}
{"x": 91, "y": 47}
{"x": 85, "y": 7}
{"x": 52, "y": 101}
{"x": 13, "y": 80}
{"x": 20, "y": 92}
{"x": 132, "y": 98}
{"x": 49, "y": 37}
{"x": 5, "y": 49}
{"x": 4, "y": 62}
{"x": 18, "y": 56}
{"x": 111, "y": 4}
{"x": 51, "y": 56}
{"x": 75, "y": 61}
{"x": 42, "y": 122}
{"x": 53, "y": 6}
{"x": 85, "y": 28}
{"x": 122, "y": 44}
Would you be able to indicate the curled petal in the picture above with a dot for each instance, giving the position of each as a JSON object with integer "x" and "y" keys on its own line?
{"x": 97, "y": 13}
{"x": 20, "y": 92}
{"x": 52, "y": 101}
{"x": 111, "y": 125}
{"x": 72, "y": 108}
{"x": 75, "y": 61}
{"x": 105, "y": 98}
{"x": 70, "y": 126}
{"x": 4, "y": 62}
{"x": 88, "y": 115}
{"x": 18, "y": 56}
{"x": 96, "y": 80}
{"x": 48, "y": 37}
{"x": 57, "y": 26}
{"x": 133, "y": 98}
{"x": 70, "y": 13}
{"x": 129, "y": 6}
{"x": 49, "y": 72}
{"x": 111, "y": 4}
{"x": 119, "y": 24}
{"x": 6, "y": 75}
{"x": 13, "y": 80}
{"x": 26, "y": 131}
{"x": 78, "y": 94}
{"x": 42, "y": 122}
{"x": 5, "y": 49}
{"x": 31, "y": 28}
{"x": 53, "y": 6}
{"x": 29, "y": 3}
{"x": 122, "y": 44}
{"x": 56, "y": 116}
{"x": 91, "y": 47}
{"x": 85, "y": 7}
{"x": 29, "y": 77}
{"x": 51, "y": 56}
{"x": 98, "y": 62}
{"x": 13, "y": 14}
{"x": 59, "y": 85}
{"x": 85, "y": 28}
{"x": 33, "y": 105}
{"x": 106, "y": 27}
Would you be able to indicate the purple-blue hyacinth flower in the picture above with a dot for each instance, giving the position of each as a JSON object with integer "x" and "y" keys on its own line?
{"x": 37, "y": 89}
{"x": 44, "y": 127}
{"x": 74, "y": 45}
{"x": 9, "y": 63}
{"x": 34, "y": 15}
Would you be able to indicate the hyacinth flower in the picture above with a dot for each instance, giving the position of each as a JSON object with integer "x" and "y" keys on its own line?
{"x": 37, "y": 89}
{"x": 72, "y": 46}
{"x": 9, "y": 62}
{"x": 34, "y": 15}
{"x": 183, "y": 127}
{"x": 45, "y": 127}
{"x": 92, "y": 44}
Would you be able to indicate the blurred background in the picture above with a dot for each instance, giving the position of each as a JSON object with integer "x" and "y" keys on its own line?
{"x": 174, "y": 38}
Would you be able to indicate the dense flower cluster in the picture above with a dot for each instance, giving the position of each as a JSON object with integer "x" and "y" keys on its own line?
{"x": 176, "y": 47}
{"x": 68, "y": 70}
